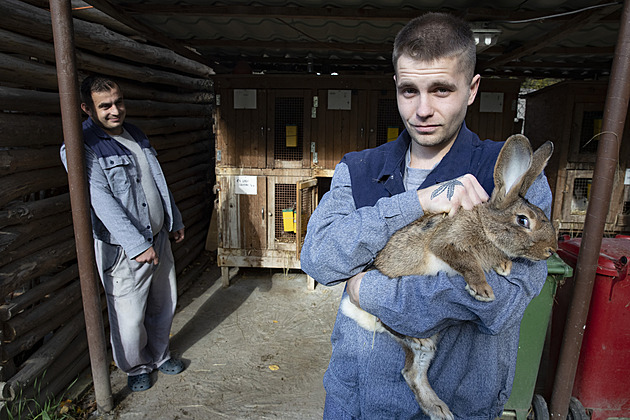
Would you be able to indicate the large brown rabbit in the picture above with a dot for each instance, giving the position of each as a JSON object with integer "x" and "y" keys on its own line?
{"x": 470, "y": 242}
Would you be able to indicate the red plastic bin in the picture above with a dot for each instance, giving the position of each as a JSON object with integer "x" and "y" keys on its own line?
{"x": 602, "y": 381}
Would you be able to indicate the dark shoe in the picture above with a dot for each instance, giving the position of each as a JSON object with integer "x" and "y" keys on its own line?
{"x": 172, "y": 366}
{"x": 140, "y": 382}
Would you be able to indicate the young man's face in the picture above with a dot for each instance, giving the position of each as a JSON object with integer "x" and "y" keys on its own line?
{"x": 109, "y": 110}
{"x": 433, "y": 98}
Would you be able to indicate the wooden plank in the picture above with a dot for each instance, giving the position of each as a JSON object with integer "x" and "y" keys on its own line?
{"x": 34, "y": 21}
{"x": 269, "y": 259}
{"x": 231, "y": 142}
{"x": 38, "y": 292}
{"x": 18, "y": 273}
{"x": 23, "y": 160}
{"x": 20, "y": 184}
{"x": 25, "y": 212}
{"x": 169, "y": 125}
{"x": 275, "y": 82}
{"x": 306, "y": 132}
{"x": 260, "y": 137}
{"x": 20, "y": 241}
{"x": 228, "y": 222}
{"x": 253, "y": 217}
{"x": 372, "y": 118}
{"x": 271, "y": 127}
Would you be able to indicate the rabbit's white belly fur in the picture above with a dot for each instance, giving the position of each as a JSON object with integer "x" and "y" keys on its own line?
{"x": 365, "y": 320}
{"x": 434, "y": 265}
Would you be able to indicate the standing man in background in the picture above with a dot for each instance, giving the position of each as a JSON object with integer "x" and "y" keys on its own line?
{"x": 133, "y": 212}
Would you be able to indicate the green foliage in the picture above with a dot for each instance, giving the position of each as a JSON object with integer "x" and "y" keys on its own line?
{"x": 22, "y": 408}
{"x": 536, "y": 84}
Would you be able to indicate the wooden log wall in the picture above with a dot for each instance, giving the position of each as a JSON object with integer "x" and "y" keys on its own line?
{"x": 170, "y": 97}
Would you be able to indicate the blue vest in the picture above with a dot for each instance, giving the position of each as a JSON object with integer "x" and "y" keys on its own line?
{"x": 378, "y": 172}
{"x": 104, "y": 145}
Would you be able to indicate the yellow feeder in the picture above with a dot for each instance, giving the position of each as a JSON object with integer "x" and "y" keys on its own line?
{"x": 288, "y": 219}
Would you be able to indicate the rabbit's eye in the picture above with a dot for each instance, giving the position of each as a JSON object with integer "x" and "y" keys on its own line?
{"x": 522, "y": 221}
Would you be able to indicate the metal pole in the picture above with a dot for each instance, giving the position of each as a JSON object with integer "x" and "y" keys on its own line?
{"x": 615, "y": 112}
{"x": 63, "y": 35}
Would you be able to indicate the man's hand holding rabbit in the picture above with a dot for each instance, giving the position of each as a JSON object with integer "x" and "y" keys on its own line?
{"x": 450, "y": 196}
{"x": 352, "y": 287}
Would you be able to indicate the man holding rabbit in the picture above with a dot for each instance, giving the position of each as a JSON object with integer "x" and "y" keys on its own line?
{"x": 437, "y": 165}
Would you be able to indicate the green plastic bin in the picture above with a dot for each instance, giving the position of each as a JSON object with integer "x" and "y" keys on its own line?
{"x": 530, "y": 347}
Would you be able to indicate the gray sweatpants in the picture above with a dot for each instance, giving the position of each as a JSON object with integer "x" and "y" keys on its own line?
{"x": 141, "y": 301}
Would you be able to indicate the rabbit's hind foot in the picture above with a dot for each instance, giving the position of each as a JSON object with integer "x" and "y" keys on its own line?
{"x": 420, "y": 352}
{"x": 483, "y": 293}
{"x": 428, "y": 400}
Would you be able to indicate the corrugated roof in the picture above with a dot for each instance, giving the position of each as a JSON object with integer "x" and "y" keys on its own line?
{"x": 543, "y": 38}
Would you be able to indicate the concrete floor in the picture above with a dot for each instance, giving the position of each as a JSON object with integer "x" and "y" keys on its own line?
{"x": 255, "y": 350}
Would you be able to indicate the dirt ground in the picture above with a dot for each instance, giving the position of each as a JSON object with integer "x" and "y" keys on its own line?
{"x": 255, "y": 350}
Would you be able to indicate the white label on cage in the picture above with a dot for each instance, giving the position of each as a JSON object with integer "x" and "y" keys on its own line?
{"x": 626, "y": 180}
{"x": 246, "y": 185}
{"x": 244, "y": 98}
{"x": 491, "y": 102}
{"x": 339, "y": 99}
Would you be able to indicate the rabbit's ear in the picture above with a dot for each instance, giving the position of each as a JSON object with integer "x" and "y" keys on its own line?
{"x": 517, "y": 168}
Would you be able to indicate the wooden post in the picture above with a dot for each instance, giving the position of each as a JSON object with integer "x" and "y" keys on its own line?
{"x": 63, "y": 34}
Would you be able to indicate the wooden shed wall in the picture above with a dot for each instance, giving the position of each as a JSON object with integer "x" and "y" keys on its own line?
{"x": 168, "y": 96}
{"x": 252, "y": 116}
{"x": 245, "y": 136}
{"x": 559, "y": 113}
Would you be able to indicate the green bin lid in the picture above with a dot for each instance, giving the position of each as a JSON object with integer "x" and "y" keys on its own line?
{"x": 555, "y": 265}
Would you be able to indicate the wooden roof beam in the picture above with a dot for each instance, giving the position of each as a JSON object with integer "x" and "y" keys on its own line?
{"x": 335, "y": 13}
{"x": 288, "y": 45}
{"x": 113, "y": 11}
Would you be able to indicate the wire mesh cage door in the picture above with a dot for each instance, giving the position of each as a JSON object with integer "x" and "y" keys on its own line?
{"x": 285, "y": 208}
{"x": 289, "y": 130}
{"x": 388, "y": 122}
{"x": 306, "y": 203}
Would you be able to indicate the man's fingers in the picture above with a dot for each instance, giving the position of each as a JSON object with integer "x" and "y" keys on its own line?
{"x": 449, "y": 196}
{"x": 473, "y": 191}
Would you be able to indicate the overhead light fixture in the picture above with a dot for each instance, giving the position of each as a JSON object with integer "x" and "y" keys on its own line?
{"x": 485, "y": 37}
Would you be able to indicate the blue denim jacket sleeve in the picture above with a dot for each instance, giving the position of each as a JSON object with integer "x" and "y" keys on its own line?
{"x": 423, "y": 305}
{"x": 120, "y": 218}
{"x": 341, "y": 240}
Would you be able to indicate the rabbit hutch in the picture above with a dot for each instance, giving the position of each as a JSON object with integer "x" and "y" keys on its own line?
{"x": 570, "y": 115}
{"x": 279, "y": 138}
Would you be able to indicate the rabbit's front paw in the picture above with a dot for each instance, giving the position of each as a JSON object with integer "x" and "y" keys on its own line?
{"x": 483, "y": 293}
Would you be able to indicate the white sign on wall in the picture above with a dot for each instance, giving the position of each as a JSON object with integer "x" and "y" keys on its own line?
{"x": 340, "y": 99}
{"x": 244, "y": 98}
{"x": 247, "y": 185}
{"x": 626, "y": 180}
{"x": 491, "y": 102}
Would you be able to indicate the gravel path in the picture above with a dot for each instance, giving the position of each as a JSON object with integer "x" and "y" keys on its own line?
{"x": 256, "y": 350}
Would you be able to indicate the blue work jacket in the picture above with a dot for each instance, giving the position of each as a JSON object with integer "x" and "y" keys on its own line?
{"x": 120, "y": 215}
{"x": 474, "y": 366}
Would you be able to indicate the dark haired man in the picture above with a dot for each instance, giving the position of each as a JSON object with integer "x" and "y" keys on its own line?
{"x": 374, "y": 193}
{"x": 133, "y": 212}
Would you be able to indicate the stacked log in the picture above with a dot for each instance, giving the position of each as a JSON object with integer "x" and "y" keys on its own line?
{"x": 167, "y": 95}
